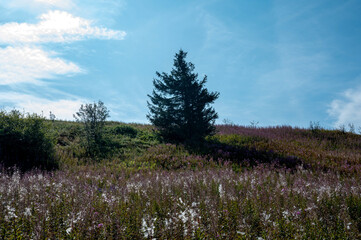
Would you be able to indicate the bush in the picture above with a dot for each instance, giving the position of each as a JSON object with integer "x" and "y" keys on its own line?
{"x": 172, "y": 157}
{"x": 25, "y": 141}
{"x": 125, "y": 130}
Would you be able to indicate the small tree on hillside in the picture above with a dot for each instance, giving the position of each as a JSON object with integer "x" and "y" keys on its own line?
{"x": 93, "y": 116}
{"x": 180, "y": 103}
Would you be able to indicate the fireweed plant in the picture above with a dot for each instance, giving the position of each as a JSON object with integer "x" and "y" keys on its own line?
{"x": 239, "y": 186}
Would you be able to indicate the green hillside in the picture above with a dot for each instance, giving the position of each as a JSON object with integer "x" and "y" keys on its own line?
{"x": 242, "y": 183}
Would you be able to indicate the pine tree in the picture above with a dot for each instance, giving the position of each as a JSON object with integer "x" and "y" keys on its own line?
{"x": 180, "y": 104}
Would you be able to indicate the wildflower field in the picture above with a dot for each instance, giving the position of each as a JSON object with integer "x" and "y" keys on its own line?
{"x": 244, "y": 183}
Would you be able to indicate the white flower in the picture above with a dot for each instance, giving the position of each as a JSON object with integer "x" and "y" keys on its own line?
{"x": 11, "y": 213}
{"x": 348, "y": 225}
{"x": 148, "y": 230}
{"x": 285, "y": 213}
{"x": 266, "y": 216}
{"x": 221, "y": 192}
{"x": 27, "y": 212}
{"x": 68, "y": 230}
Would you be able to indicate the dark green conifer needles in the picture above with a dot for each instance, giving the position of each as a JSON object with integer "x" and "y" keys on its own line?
{"x": 180, "y": 104}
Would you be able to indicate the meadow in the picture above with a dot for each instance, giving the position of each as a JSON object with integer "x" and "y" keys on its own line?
{"x": 243, "y": 183}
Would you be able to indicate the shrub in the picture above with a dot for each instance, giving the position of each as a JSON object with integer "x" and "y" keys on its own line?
{"x": 354, "y": 209}
{"x": 315, "y": 127}
{"x": 25, "y": 141}
{"x": 172, "y": 157}
{"x": 125, "y": 130}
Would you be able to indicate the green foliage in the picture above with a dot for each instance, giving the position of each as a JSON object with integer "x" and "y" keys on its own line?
{"x": 125, "y": 130}
{"x": 237, "y": 140}
{"x": 171, "y": 157}
{"x": 354, "y": 209}
{"x": 329, "y": 211}
{"x": 93, "y": 117}
{"x": 120, "y": 145}
{"x": 26, "y": 141}
{"x": 315, "y": 127}
{"x": 180, "y": 104}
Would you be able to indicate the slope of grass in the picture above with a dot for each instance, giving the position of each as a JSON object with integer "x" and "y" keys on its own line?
{"x": 319, "y": 149}
{"x": 244, "y": 183}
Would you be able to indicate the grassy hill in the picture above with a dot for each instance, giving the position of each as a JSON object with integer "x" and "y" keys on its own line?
{"x": 243, "y": 183}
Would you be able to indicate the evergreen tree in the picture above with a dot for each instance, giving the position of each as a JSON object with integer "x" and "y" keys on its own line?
{"x": 179, "y": 105}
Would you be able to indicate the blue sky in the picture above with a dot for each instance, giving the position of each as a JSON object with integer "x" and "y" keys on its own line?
{"x": 273, "y": 62}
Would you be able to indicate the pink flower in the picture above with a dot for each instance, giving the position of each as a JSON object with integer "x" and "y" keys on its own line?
{"x": 100, "y": 225}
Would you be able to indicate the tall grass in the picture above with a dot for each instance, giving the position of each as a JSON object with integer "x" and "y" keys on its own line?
{"x": 245, "y": 183}
{"x": 263, "y": 202}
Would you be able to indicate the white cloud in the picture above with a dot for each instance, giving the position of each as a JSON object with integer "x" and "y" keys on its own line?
{"x": 55, "y": 26}
{"x": 348, "y": 109}
{"x": 25, "y": 59}
{"x": 63, "y": 109}
{"x": 30, "y": 65}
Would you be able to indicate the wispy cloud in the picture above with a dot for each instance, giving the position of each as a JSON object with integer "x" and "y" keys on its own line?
{"x": 27, "y": 59}
{"x": 24, "y": 61}
{"x": 31, "y": 65}
{"x": 346, "y": 110}
{"x": 38, "y": 5}
{"x": 56, "y": 3}
{"x": 55, "y": 26}
{"x": 62, "y": 109}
